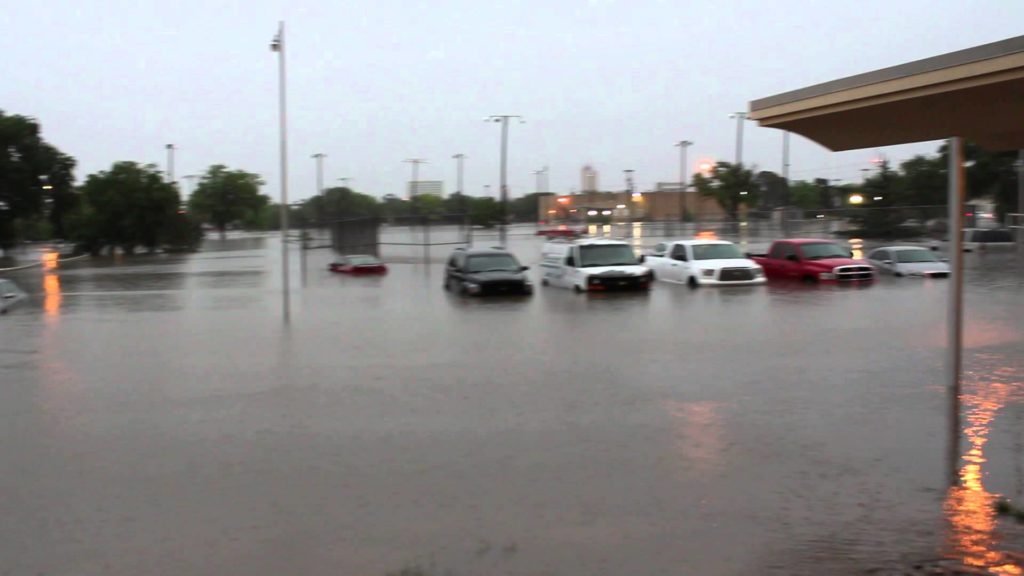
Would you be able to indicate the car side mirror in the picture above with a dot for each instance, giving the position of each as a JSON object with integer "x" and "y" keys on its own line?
{"x": 570, "y": 261}
{"x": 793, "y": 258}
{"x": 524, "y": 268}
{"x": 10, "y": 296}
{"x": 641, "y": 259}
{"x": 849, "y": 254}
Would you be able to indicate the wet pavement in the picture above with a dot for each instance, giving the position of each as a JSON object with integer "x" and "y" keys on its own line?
{"x": 156, "y": 417}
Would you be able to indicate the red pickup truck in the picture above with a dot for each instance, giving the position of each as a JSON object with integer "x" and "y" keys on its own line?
{"x": 813, "y": 261}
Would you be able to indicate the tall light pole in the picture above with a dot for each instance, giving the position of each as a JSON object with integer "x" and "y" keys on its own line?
{"x": 785, "y": 155}
{"x": 319, "y": 157}
{"x": 277, "y": 45}
{"x": 170, "y": 163}
{"x": 414, "y": 186}
{"x": 503, "y": 120}
{"x": 740, "y": 117}
{"x": 683, "y": 145}
{"x": 459, "y": 165}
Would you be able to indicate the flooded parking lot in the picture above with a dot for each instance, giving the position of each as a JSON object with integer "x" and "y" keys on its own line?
{"x": 156, "y": 417}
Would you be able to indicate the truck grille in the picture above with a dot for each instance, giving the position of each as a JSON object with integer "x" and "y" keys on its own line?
{"x": 854, "y": 273}
{"x": 502, "y": 287}
{"x": 735, "y": 275}
{"x": 618, "y": 282}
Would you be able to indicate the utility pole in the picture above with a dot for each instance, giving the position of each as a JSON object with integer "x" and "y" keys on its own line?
{"x": 459, "y": 165}
{"x": 785, "y": 155}
{"x": 538, "y": 175}
{"x": 503, "y": 120}
{"x": 414, "y": 187}
{"x": 170, "y": 163}
{"x": 319, "y": 157}
{"x": 955, "y": 313}
{"x": 740, "y": 117}
{"x": 277, "y": 45}
{"x": 683, "y": 177}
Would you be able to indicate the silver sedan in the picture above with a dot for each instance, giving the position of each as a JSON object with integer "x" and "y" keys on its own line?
{"x": 913, "y": 261}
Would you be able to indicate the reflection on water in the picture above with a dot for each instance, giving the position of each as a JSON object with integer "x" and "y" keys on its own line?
{"x": 699, "y": 430}
{"x": 969, "y": 507}
{"x": 857, "y": 247}
{"x": 51, "y": 285}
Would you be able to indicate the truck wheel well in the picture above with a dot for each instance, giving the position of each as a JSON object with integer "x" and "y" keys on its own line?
{"x": 692, "y": 282}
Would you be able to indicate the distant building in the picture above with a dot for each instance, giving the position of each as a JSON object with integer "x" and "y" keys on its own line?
{"x": 435, "y": 187}
{"x": 588, "y": 179}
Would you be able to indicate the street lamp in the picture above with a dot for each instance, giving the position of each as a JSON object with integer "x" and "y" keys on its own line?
{"x": 170, "y": 163}
{"x": 740, "y": 117}
{"x": 277, "y": 45}
{"x": 414, "y": 186}
{"x": 683, "y": 145}
{"x": 503, "y": 120}
{"x": 319, "y": 157}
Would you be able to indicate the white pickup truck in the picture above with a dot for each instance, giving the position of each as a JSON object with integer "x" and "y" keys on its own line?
{"x": 703, "y": 262}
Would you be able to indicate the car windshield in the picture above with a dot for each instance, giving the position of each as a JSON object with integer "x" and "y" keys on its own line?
{"x": 823, "y": 250}
{"x": 492, "y": 263}
{"x": 362, "y": 260}
{"x": 716, "y": 252}
{"x": 911, "y": 256}
{"x": 606, "y": 255}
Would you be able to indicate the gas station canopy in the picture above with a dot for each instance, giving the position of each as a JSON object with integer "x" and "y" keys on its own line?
{"x": 976, "y": 94}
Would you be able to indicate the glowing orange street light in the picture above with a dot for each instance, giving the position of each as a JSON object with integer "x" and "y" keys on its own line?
{"x": 564, "y": 200}
{"x": 705, "y": 167}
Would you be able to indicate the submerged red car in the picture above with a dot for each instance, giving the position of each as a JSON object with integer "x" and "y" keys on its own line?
{"x": 358, "y": 264}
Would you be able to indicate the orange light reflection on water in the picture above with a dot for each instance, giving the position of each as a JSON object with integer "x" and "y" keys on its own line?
{"x": 52, "y": 292}
{"x": 969, "y": 507}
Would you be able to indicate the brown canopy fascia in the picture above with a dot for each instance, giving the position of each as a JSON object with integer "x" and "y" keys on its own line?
{"x": 977, "y": 94}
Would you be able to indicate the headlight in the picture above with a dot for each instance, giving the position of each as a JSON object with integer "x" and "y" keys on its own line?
{"x": 707, "y": 273}
{"x": 758, "y": 272}
{"x": 826, "y": 276}
{"x": 472, "y": 288}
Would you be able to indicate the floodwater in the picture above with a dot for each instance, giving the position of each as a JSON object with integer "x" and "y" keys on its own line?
{"x": 157, "y": 418}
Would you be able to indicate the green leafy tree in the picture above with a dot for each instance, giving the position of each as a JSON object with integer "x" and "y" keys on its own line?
{"x": 427, "y": 205}
{"x": 225, "y": 196}
{"x": 341, "y": 202}
{"x": 805, "y": 195}
{"x": 485, "y": 211}
{"x": 731, "y": 185}
{"x": 128, "y": 206}
{"x": 35, "y": 179}
{"x": 525, "y": 209}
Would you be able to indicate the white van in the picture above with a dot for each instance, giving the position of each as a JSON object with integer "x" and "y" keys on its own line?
{"x": 592, "y": 265}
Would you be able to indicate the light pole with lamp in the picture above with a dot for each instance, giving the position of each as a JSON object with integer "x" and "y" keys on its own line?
{"x": 682, "y": 145}
{"x": 460, "y": 160}
{"x": 170, "y": 163}
{"x": 740, "y": 117}
{"x": 277, "y": 45}
{"x": 503, "y": 120}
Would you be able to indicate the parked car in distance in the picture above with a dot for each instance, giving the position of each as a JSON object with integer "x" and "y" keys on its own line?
{"x": 592, "y": 265}
{"x": 812, "y": 261}
{"x": 982, "y": 239}
{"x": 485, "y": 271}
{"x": 10, "y": 295}
{"x": 358, "y": 264}
{"x": 561, "y": 232}
{"x": 703, "y": 262}
{"x": 914, "y": 261}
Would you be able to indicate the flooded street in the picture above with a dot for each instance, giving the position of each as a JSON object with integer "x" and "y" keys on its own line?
{"x": 156, "y": 417}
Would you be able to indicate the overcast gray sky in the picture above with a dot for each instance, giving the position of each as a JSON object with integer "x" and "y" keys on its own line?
{"x": 612, "y": 83}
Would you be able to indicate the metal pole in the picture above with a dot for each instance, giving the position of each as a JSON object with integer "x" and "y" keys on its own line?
{"x": 785, "y": 155}
{"x": 955, "y": 319}
{"x": 740, "y": 117}
{"x": 303, "y": 246}
{"x": 503, "y": 232}
{"x": 278, "y": 46}
{"x": 170, "y": 163}
{"x": 464, "y": 222}
{"x": 683, "y": 145}
{"x": 319, "y": 157}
